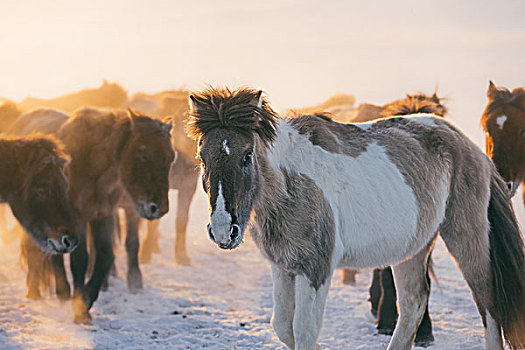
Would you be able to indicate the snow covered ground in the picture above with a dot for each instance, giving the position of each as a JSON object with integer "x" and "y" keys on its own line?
{"x": 223, "y": 301}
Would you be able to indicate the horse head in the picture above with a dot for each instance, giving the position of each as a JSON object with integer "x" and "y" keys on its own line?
{"x": 232, "y": 128}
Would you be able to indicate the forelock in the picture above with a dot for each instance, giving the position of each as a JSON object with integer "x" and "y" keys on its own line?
{"x": 235, "y": 110}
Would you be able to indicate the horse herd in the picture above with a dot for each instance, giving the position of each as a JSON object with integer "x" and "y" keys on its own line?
{"x": 314, "y": 193}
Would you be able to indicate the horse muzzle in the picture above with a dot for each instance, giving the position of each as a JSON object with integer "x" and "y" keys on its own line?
{"x": 65, "y": 244}
{"x": 226, "y": 240}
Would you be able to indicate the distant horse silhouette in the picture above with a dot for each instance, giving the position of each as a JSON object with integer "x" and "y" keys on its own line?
{"x": 504, "y": 124}
{"x": 108, "y": 95}
{"x": 184, "y": 173}
{"x": 33, "y": 184}
{"x": 9, "y": 111}
{"x": 318, "y": 194}
{"x": 111, "y": 153}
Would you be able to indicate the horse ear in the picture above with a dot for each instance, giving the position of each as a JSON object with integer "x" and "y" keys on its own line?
{"x": 257, "y": 100}
{"x": 105, "y": 82}
{"x": 133, "y": 114}
{"x": 166, "y": 126}
{"x": 193, "y": 104}
{"x": 492, "y": 89}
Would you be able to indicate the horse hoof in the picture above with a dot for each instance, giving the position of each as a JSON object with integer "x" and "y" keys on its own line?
{"x": 135, "y": 282}
{"x": 424, "y": 341}
{"x": 63, "y": 293}
{"x": 385, "y": 331}
{"x": 145, "y": 257}
{"x": 182, "y": 259}
{"x": 33, "y": 294}
{"x": 348, "y": 277}
{"x": 63, "y": 296}
{"x": 83, "y": 319}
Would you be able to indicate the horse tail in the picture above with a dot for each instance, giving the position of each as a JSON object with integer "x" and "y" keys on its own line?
{"x": 507, "y": 260}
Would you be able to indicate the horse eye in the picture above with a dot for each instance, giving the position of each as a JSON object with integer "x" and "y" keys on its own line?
{"x": 248, "y": 158}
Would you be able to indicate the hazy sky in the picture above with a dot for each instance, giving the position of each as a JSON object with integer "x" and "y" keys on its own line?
{"x": 300, "y": 52}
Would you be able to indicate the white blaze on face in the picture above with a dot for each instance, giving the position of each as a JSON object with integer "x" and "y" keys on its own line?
{"x": 501, "y": 121}
{"x": 220, "y": 219}
{"x": 225, "y": 147}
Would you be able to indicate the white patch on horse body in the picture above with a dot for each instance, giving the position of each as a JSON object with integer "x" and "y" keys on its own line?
{"x": 374, "y": 209}
{"x": 220, "y": 219}
{"x": 501, "y": 121}
{"x": 364, "y": 126}
{"x": 225, "y": 147}
{"x": 422, "y": 118}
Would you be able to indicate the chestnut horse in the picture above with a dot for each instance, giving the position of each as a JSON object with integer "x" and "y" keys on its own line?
{"x": 33, "y": 184}
{"x": 184, "y": 173}
{"x": 504, "y": 124}
{"x": 318, "y": 195}
{"x": 107, "y": 95}
{"x": 111, "y": 153}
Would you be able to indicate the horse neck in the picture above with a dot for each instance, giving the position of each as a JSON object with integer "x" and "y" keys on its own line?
{"x": 272, "y": 191}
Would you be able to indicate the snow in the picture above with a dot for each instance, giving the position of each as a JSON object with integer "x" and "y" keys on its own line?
{"x": 223, "y": 301}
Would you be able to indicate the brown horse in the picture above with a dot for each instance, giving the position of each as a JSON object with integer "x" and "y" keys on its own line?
{"x": 9, "y": 111}
{"x": 107, "y": 95}
{"x": 504, "y": 124}
{"x": 33, "y": 183}
{"x": 111, "y": 153}
{"x": 184, "y": 173}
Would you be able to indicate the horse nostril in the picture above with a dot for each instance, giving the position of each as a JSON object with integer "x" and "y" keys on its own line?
{"x": 235, "y": 230}
{"x": 210, "y": 233}
{"x": 68, "y": 241}
{"x": 153, "y": 208}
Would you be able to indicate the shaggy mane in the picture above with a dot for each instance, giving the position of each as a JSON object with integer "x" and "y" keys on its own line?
{"x": 412, "y": 104}
{"x": 216, "y": 108}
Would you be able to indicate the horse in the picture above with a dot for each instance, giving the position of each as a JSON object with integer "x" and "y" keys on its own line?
{"x": 184, "y": 172}
{"x": 317, "y": 195}
{"x": 112, "y": 152}
{"x": 110, "y": 95}
{"x": 382, "y": 289}
{"x": 9, "y": 111}
{"x": 33, "y": 184}
{"x": 503, "y": 121}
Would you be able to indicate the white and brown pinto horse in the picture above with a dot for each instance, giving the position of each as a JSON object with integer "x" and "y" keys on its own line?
{"x": 318, "y": 195}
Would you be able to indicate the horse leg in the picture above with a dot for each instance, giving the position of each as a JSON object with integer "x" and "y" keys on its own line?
{"x": 62, "y": 288}
{"x": 283, "y": 305}
{"x": 132, "y": 248}
{"x": 387, "y": 311}
{"x": 309, "y": 310}
{"x": 412, "y": 295}
{"x": 473, "y": 258}
{"x": 424, "y": 336}
{"x": 102, "y": 230}
{"x": 79, "y": 263}
{"x": 150, "y": 243}
{"x": 348, "y": 276}
{"x": 185, "y": 196}
{"x": 375, "y": 292}
{"x": 34, "y": 258}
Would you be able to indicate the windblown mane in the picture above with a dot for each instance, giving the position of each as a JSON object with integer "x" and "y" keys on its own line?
{"x": 412, "y": 104}
{"x": 223, "y": 108}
